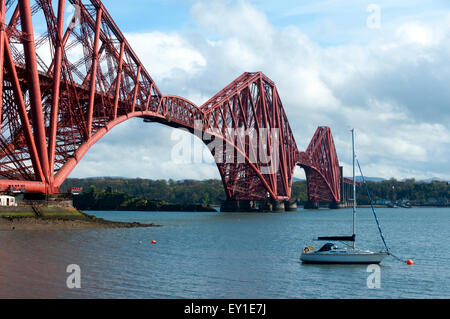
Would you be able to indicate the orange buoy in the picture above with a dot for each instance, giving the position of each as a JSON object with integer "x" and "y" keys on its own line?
{"x": 153, "y": 242}
{"x": 410, "y": 262}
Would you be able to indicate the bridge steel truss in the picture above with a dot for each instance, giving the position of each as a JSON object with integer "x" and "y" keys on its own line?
{"x": 65, "y": 88}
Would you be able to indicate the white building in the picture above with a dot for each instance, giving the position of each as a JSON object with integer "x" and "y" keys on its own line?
{"x": 7, "y": 200}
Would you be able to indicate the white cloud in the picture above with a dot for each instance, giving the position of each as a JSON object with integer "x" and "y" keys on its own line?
{"x": 165, "y": 53}
{"x": 414, "y": 33}
{"x": 393, "y": 90}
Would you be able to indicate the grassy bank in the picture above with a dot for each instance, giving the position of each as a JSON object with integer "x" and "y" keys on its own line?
{"x": 55, "y": 218}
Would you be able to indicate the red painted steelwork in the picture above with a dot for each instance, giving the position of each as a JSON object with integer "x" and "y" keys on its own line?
{"x": 321, "y": 166}
{"x": 54, "y": 110}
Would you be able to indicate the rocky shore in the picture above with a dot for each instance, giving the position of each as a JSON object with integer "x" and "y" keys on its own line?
{"x": 82, "y": 221}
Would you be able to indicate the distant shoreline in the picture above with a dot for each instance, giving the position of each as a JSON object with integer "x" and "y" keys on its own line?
{"x": 384, "y": 206}
{"x": 170, "y": 208}
{"x": 131, "y": 193}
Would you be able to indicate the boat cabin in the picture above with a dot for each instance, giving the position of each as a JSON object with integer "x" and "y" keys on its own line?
{"x": 328, "y": 247}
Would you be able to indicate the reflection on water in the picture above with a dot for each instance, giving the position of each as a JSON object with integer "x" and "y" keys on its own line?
{"x": 212, "y": 255}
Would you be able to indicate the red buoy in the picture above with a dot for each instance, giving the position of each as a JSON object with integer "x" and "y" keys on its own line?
{"x": 410, "y": 262}
{"x": 153, "y": 242}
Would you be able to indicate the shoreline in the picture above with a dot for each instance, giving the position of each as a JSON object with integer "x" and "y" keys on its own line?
{"x": 83, "y": 221}
{"x": 163, "y": 208}
{"x": 79, "y": 220}
{"x": 384, "y": 206}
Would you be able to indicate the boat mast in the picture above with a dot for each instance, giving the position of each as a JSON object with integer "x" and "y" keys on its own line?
{"x": 354, "y": 186}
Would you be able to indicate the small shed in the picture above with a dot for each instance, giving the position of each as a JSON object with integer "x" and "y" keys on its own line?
{"x": 7, "y": 200}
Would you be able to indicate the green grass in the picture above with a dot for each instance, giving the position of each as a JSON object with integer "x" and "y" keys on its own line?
{"x": 57, "y": 211}
{"x": 50, "y": 212}
{"x": 17, "y": 214}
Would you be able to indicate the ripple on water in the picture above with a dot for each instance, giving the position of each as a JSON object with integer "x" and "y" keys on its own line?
{"x": 210, "y": 255}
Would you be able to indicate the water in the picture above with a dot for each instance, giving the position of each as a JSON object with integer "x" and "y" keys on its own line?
{"x": 212, "y": 255}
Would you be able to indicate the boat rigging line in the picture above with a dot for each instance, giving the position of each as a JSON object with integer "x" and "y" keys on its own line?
{"x": 388, "y": 251}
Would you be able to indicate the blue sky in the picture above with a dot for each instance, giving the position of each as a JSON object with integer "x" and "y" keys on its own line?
{"x": 329, "y": 22}
{"x": 330, "y": 67}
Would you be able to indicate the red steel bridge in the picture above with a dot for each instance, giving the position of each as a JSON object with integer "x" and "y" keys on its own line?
{"x": 66, "y": 84}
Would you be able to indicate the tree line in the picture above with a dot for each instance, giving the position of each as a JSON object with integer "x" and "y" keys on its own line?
{"x": 141, "y": 192}
{"x": 411, "y": 190}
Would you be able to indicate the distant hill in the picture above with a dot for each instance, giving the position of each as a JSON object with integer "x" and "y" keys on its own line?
{"x": 434, "y": 179}
{"x": 358, "y": 178}
{"x": 371, "y": 179}
{"x": 380, "y": 179}
{"x": 212, "y": 191}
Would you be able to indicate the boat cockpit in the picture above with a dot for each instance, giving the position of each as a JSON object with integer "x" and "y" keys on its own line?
{"x": 328, "y": 247}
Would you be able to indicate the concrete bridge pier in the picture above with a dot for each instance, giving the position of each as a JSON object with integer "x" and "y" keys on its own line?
{"x": 311, "y": 205}
{"x": 278, "y": 206}
{"x": 290, "y": 206}
{"x": 231, "y": 205}
{"x": 272, "y": 206}
{"x": 339, "y": 205}
{"x": 335, "y": 205}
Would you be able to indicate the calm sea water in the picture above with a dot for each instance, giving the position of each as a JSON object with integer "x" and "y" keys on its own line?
{"x": 213, "y": 255}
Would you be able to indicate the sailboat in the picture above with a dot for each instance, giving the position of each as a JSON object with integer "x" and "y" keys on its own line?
{"x": 330, "y": 253}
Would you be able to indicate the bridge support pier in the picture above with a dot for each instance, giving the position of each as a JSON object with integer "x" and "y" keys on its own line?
{"x": 272, "y": 206}
{"x": 278, "y": 206}
{"x": 340, "y": 205}
{"x": 334, "y": 205}
{"x": 311, "y": 205}
{"x": 230, "y": 206}
{"x": 290, "y": 206}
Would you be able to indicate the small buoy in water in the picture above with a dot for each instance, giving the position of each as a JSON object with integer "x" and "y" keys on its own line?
{"x": 153, "y": 242}
{"x": 410, "y": 262}
{"x": 140, "y": 242}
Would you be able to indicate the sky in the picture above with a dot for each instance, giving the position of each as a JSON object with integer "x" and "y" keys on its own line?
{"x": 381, "y": 67}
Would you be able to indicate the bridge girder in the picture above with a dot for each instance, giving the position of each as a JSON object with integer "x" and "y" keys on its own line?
{"x": 54, "y": 109}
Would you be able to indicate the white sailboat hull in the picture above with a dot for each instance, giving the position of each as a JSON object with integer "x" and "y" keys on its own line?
{"x": 343, "y": 257}
{"x": 330, "y": 254}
